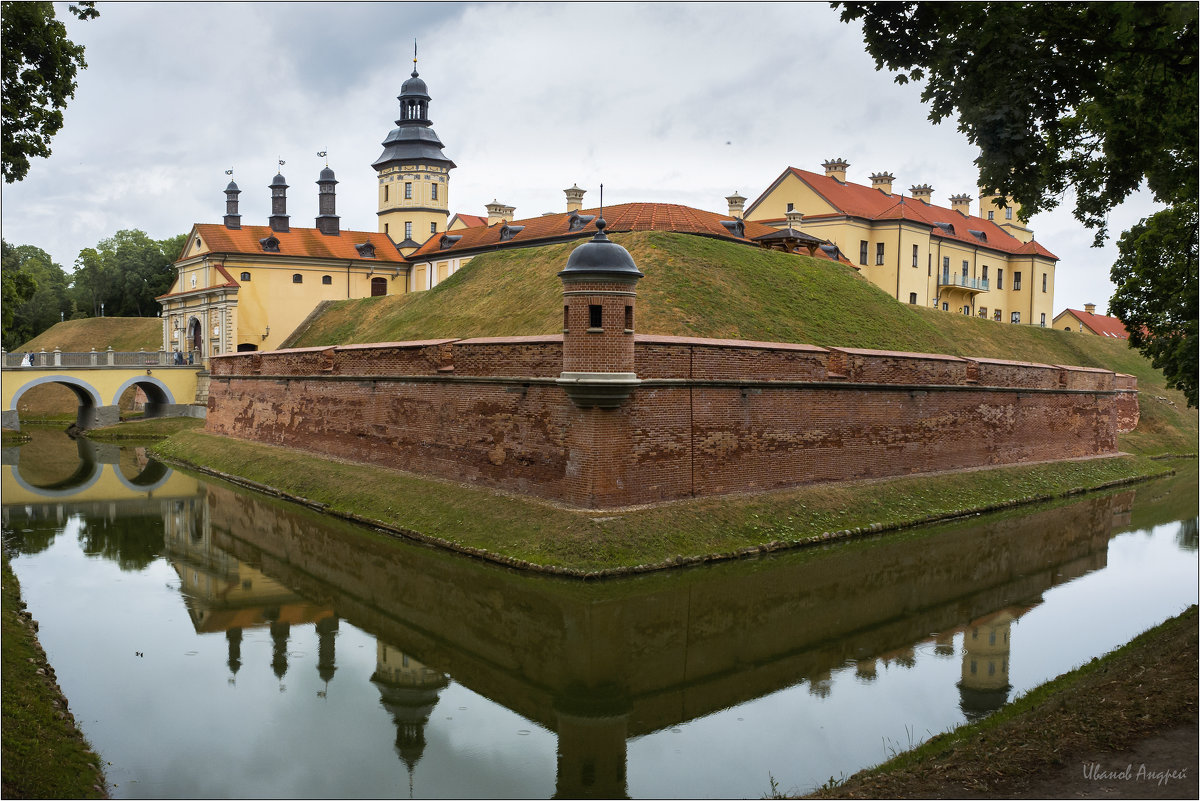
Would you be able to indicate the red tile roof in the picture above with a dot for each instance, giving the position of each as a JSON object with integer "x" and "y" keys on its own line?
{"x": 620, "y": 218}
{"x": 469, "y": 220}
{"x": 1100, "y": 324}
{"x": 302, "y": 242}
{"x": 869, "y": 203}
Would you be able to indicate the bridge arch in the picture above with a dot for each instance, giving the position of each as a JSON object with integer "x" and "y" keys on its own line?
{"x": 158, "y": 394}
{"x": 89, "y": 398}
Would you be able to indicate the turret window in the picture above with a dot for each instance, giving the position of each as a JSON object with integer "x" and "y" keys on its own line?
{"x": 1008, "y": 213}
{"x": 629, "y": 319}
{"x": 408, "y": 230}
{"x": 408, "y": 190}
{"x": 595, "y": 316}
{"x": 433, "y": 190}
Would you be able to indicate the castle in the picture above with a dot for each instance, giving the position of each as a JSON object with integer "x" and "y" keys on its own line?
{"x": 246, "y": 288}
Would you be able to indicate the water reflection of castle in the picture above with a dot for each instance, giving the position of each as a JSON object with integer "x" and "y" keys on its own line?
{"x": 621, "y": 671}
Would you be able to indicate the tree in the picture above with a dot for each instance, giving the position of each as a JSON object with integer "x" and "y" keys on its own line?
{"x": 40, "y": 63}
{"x": 17, "y": 287}
{"x": 1097, "y": 97}
{"x": 125, "y": 272}
{"x": 49, "y": 303}
{"x": 1156, "y": 297}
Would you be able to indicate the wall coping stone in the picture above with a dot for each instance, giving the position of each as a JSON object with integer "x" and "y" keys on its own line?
{"x": 548, "y": 339}
{"x": 665, "y": 339}
{"x": 1011, "y": 363}
{"x": 900, "y": 354}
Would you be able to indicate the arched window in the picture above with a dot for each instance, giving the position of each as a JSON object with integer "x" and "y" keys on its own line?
{"x": 297, "y": 278}
{"x": 378, "y": 287}
{"x": 245, "y": 276}
{"x": 327, "y": 279}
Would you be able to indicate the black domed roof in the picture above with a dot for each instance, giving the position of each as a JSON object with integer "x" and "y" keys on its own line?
{"x": 326, "y": 175}
{"x": 414, "y": 87}
{"x": 279, "y": 180}
{"x": 600, "y": 257}
{"x": 232, "y": 187}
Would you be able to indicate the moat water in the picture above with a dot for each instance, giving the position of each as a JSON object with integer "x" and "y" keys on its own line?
{"x": 216, "y": 643}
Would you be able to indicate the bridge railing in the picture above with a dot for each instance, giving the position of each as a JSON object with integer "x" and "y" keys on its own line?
{"x": 95, "y": 358}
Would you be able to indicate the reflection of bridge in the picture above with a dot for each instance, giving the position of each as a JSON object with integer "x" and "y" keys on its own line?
{"x": 98, "y": 381}
{"x": 96, "y": 478}
{"x": 601, "y": 663}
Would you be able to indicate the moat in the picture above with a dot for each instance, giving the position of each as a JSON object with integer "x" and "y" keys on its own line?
{"x": 217, "y": 643}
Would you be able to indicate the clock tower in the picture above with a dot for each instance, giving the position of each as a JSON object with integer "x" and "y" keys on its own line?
{"x": 414, "y": 173}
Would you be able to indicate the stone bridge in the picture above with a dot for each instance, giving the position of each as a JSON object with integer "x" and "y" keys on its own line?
{"x": 99, "y": 378}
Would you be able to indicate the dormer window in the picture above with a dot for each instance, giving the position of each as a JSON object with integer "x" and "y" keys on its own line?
{"x": 735, "y": 227}
{"x": 980, "y": 235}
{"x": 269, "y": 244}
{"x": 577, "y": 221}
{"x": 507, "y": 231}
{"x": 946, "y": 227}
{"x": 448, "y": 240}
{"x": 366, "y": 250}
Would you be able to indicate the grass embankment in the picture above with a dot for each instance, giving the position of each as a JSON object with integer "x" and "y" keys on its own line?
{"x": 44, "y": 754}
{"x": 1035, "y": 746}
{"x": 710, "y": 288}
{"x": 101, "y": 333}
{"x": 151, "y": 430}
{"x": 529, "y": 533}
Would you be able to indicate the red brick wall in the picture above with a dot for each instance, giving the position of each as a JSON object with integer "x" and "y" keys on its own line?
{"x": 710, "y": 417}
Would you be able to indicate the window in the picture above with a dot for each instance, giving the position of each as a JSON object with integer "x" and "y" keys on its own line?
{"x": 385, "y": 228}
{"x": 945, "y": 307}
{"x": 378, "y": 287}
{"x": 1016, "y": 317}
{"x": 914, "y": 255}
{"x": 999, "y": 281}
{"x": 629, "y": 318}
{"x": 433, "y": 228}
{"x": 984, "y": 274}
{"x": 408, "y": 190}
{"x": 385, "y": 193}
{"x": 945, "y": 269}
{"x": 1043, "y": 282}
{"x": 1016, "y": 280}
{"x": 327, "y": 280}
{"x": 245, "y": 276}
{"x": 966, "y": 268}
{"x": 983, "y": 312}
{"x": 862, "y": 251}
{"x": 1043, "y": 319}
{"x": 297, "y": 278}
{"x": 967, "y": 310}
{"x": 595, "y": 316}
{"x": 408, "y": 230}
{"x": 879, "y": 253}
{"x": 1008, "y": 213}
{"x": 997, "y": 315}
{"x": 912, "y": 298}
{"x": 991, "y": 216}
{"x": 791, "y": 207}
{"x": 433, "y": 189}
{"x": 566, "y": 318}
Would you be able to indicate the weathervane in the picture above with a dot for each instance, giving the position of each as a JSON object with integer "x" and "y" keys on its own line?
{"x": 325, "y": 155}
{"x": 229, "y": 171}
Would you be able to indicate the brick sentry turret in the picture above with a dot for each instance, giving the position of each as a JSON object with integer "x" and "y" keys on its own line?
{"x": 598, "y": 323}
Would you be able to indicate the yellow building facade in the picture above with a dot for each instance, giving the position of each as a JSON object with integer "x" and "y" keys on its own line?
{"x": 243, "y": 288}
{"x": 987, "y": 266}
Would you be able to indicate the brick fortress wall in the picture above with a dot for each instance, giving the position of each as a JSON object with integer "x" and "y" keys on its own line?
{"x": 710, "y": 416}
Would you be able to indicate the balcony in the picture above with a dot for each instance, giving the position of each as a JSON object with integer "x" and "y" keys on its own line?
{"x": 958, "y": 281}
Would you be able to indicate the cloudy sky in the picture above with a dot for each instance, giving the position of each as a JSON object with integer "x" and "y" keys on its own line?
{"x": 665, "y": 102}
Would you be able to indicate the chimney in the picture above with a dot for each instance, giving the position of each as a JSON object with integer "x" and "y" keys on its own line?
{"x": 883, "y": 182}
{"x": 836, "y": 169}
{"x": 327, "y": 220}
{"x": 574, "y": 198}
{"x": 1090, "y": 308}
{"x": 793, "y": 218}
{"x": 279, "y": 218}
{"x": 961, "y": 204}
{"x": 736, "y": 204}
{"x": 498, "y": 212}
{"x": 233, "y": 220}
{"x": 922, "y": 192}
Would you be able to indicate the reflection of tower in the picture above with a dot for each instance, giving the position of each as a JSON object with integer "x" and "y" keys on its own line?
{"x": 409, "y": 691}
{"x": 234, "y": 638}
{"x": 279, "y": 639}
{"x": 592, "y": 729}
{"x": 327, "y": 629}
{"x": 984, "y": 686}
